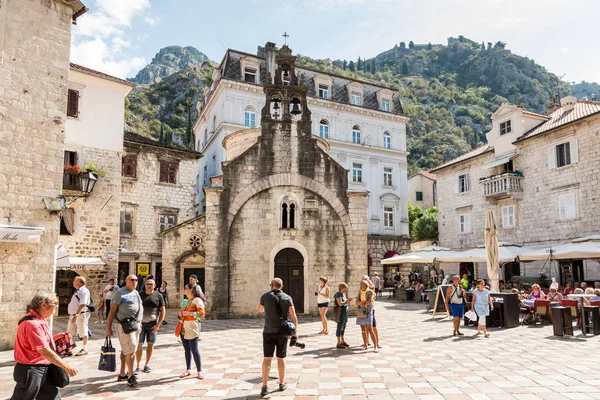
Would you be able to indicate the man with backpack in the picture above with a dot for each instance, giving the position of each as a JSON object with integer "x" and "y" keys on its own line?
{"x": 79, "y": 313}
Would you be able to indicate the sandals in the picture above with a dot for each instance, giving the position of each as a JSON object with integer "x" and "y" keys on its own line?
{"x": 200, "y": 376}
{"x": 324, "y": 333}
{"x": 487, "y": 335}
{"x": 364, "y": 347}
{"x": 185, "y": 374}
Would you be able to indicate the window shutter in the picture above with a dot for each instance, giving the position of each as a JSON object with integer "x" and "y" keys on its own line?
{"x": 467, "y": 184}
{"x": 505, "y": 216}
{"x": 73, "y": 103}
{"x": 552, "y": 157}
{"x": 571, "y": 207}
{"x": 456, "y": 184}
{"x": 574, "y": 151}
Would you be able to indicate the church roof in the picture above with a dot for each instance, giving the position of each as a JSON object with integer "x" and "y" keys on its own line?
{"x": 231, "y": 68}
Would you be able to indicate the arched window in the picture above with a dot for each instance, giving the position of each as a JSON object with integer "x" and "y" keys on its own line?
{"x": 250, "y": 117}
{"x": 324, "y": 129}
{"x": 292, "y": 216}
{"x": 387, "y": 140}
{"x": 356, "y": 134}
{"x": 284, "y": 216}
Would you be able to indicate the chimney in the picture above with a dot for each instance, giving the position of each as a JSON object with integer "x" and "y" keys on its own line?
{"x": 568, "y": 103}
{"x": 270, "y": 52}
{"x": 553, "y": 104}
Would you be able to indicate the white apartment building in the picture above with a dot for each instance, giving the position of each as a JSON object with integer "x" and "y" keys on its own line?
{"x": 540, "y": 175}
{"x": 89, "y": 226}
{"x": 363, "y": 123}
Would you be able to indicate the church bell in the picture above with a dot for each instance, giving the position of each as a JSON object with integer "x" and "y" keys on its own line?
{"x": 295, "y": 107}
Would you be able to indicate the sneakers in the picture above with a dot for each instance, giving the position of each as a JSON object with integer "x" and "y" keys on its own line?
{"x": 282, "y": 387}
{"x": 147, "y": 369}
{"x": 132, "y": 381}
{"x": 137, "y": 371}
{"x": 345, "y": 344}
{"x": 264, "y": 391}
{"x": 121, "y": 378}
{"x": 81, "y": 352}
{"x": 340, "y": 346}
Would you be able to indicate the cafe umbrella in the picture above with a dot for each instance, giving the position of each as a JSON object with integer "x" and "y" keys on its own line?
{"x": 491, "y": 249}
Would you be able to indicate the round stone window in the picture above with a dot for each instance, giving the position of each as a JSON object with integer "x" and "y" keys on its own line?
{"x": 195, "y": 241}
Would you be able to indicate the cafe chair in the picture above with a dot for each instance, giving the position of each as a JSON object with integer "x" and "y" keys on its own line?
{"x": 574, "y": 306}
{"x": 595, "y": 303}
{"x": 541, "y": 309}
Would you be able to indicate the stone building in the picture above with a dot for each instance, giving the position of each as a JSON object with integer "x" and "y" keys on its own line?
{"x": 280, "y": 207}
{"x": 157, "y": 193}
{"x": 35, "y": 38}
{"x": 540, "y": 175}
{"x": 422, "y": 189}
{"x": 89, "y": 226}
{"x": 362, "y": 122}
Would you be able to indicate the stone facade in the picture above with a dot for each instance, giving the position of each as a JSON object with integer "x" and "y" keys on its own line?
{"x": 246, "y": 227}
{"x": 536, "y": 216}
{"x": 35, "y": 38}
{"x": 381, "y": 247}
{"x": 145, "y": 198}
{"x": 424, "y": 183}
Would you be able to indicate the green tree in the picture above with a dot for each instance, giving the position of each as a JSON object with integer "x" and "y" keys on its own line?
{"x": 161, "y": 138}
{"x": 351, "y": 66}
{"x": 429, "y": 46}
{"x": 500, "y": 45}
{"x": 425, "y": 227}
{"x": 345, "y": 64}
{"x": 414, "y": 213}
{"x": 404, "y": 68}
{"x": 482, "y": 46}
{"x": 411, "y": 45}
{"x": 359, "y": 64}
{"x": 373, "y": 68}
{"x": 402, "y": 45}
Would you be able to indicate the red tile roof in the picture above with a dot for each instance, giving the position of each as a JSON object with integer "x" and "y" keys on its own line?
{"x": 486, "y": 148}
{"x": 563, "y": 116}
{"x": 426, "y": 174}
{"x": 93, "y": 72}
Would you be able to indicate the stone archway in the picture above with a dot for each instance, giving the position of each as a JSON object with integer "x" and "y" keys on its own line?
{"x": 191, "y": 262}
{"x": 292, "y": 244}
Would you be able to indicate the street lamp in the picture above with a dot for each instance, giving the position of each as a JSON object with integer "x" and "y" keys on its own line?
{"x": 88, "y": 181}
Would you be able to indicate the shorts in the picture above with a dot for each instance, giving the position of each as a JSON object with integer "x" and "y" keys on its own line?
{"x": 374, "y": 321}
{"x": 81, "y": 325}
{"x": 272, "y": 341}
{"x": 128, "y": 341}
{"x": 146, "y": 333}
{"x": 458, "y": 310}
{"x": 323, "y": 305}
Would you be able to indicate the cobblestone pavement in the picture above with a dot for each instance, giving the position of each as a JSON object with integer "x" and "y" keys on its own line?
{"x": 419, "y": 360}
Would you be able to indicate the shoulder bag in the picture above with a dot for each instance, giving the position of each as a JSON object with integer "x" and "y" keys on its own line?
{"x": 131, "y": 324}
{"x": 336, "y": 314}
{"x": 287, "y": 327}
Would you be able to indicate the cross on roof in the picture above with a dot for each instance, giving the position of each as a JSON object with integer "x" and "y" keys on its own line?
{"x": 285, "y": 36}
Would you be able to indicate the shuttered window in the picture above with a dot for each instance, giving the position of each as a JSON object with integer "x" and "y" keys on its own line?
{"x": 465, "y": 223}
{"x": 126, "y": 223}
{"x": 73, "y": 103}
{"x": 128, "y": 166}
{"x": 567, "y": 207}
{"x": 508, "y": 216}
{"x": 166, "y": 221}
{"x": 168, "y": 172}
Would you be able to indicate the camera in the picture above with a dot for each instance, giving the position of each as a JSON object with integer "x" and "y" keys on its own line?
{"x": 295, "y": 343}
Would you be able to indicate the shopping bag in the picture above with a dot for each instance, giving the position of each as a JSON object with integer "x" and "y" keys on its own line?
{"x": 63, "y": 343}
{"x": 362, "y": 313}
{"x": 471, "y": 315}
{"x": 108, "y": 359}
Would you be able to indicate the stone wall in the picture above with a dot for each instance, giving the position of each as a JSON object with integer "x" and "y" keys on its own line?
{"x": 146, "y": 198}
{"x": 35, "y": 38}
{"x": 96, "y": 220}
{"x": 380, "y": 245}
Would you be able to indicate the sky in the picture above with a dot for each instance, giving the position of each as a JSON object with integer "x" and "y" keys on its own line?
{"x": 120, "y": 37}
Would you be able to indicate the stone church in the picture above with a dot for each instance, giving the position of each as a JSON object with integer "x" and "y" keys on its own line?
{"x": 281, "y": 208}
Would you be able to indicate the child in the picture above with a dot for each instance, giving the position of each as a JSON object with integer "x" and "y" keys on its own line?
{"x": 100, "y": 309}
{"x": 482, "y": 304}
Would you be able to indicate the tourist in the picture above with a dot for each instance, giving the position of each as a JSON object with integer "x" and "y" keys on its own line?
{"x": 364, "y": 318}
{"x": 323, "y": 294}
{"x": 109, "y": 290}
{"x": 377, "y": 283}
{"x": 584, "y": 285}
{"x": 342, "y": 301}
{"x": 455, "y": 295}
{"x": 536, "y": 293}
{"x": 100, "y": 310}
{"x": 194, "y": 281}
{"x": 446, "y": 279}
{"x": 192, "y": 309}
{"x": 568, "y": 289}
{"x": 397, "y": 279}
{"x": 554, "y": 284}
{"x": 34, "y": 352}
{"x": 465, "y": 281}
{"x": 163, "y": 291}
{"x": 482, "y": 305}
{"x": 154, "y": 314}
{"x": 79, "y": 314}
{"x": 419, "y": 292}
{"x": 126, "y": 307}
{"x": 596, "y": 285}
{"x": 554, "y": 296}
{"x": 501, "y": 286}
{"x": 442, "y": 275}
{"x": 374, "y": 325}
{"x": 276, "y": 306}
{"x": 596, "y": 295}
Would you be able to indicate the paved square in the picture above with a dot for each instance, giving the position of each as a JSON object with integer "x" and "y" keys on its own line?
{"x": 420, "y": 360}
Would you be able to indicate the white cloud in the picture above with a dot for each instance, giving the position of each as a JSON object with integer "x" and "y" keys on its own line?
{"x": 101, "y": 35}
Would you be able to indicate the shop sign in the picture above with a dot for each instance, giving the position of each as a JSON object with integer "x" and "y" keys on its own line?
{"x": 143, "y": 269}
{"x": 74, "y": 267}
{"x": 14, "y": 234}
{"x": 109, "y": 255}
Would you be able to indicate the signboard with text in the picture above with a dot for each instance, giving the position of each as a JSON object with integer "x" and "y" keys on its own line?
{"x": 143, "y": 269}
{"x": 9, "y": 234}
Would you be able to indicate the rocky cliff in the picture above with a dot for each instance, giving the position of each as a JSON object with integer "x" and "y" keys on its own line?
{"x": 167, "y": 61}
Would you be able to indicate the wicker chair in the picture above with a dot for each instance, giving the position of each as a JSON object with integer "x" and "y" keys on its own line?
{"x": 541, "y": 309}
{"x": 574, "y": 306}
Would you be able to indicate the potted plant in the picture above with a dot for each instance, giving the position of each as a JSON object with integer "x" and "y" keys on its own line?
{"x": 94, "y": 169}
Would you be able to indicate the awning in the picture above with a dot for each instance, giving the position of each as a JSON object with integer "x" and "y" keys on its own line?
{"x": 417, "y": 257}
{"x": 499, "y": 161}
{"x": 82, "y": 262}
{"x": 20, "y": 234}
{"x": 62, "y": 256}
{"x": 505, "y": 254}
{"x": 568, "y": 251}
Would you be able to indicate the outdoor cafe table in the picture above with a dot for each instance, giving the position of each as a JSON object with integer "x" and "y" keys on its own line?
{"x": 581, "y": 306}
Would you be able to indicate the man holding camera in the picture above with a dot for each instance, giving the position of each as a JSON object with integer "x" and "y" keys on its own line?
{"x": 278, "y": 307}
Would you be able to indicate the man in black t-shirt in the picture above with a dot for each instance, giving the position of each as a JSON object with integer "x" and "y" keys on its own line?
{"x": 154, "y": 314}
{"x": 273, "y": 339}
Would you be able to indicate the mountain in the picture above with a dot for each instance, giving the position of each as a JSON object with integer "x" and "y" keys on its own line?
{"x": 591, "y": 90}
{"x": 167, "y": 61}
{"x": 449, "y": 91}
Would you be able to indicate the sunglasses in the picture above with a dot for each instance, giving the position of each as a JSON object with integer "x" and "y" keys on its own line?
{"x": 149, "y": 284}
{"x": 133, "y": 280}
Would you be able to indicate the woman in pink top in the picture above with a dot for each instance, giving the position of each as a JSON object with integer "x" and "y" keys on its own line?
{"x": 536, "y": 293}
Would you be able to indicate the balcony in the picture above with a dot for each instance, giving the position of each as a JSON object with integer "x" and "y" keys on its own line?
{"x": 503, "y": 186}
{"x": 71, "y": 180}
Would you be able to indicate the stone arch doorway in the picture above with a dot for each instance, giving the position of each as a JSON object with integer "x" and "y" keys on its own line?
{"x": 192, "y": 263}
{"x": 289, "y": 266}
